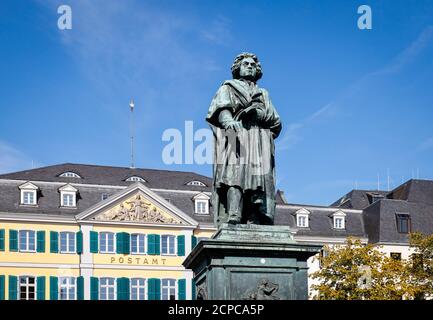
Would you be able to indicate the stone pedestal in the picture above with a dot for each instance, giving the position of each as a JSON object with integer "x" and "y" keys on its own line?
{"x": 251, "y": 262}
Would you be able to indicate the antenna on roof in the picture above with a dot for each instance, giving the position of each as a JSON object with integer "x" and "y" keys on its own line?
{"x": 387, "y": 176}
{"x": 131, "y": 107}
{"x": 417, "y": 173}
{"x": 378, "y": 182}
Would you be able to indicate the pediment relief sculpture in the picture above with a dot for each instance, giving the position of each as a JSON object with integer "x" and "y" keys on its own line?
{"x": 137, "y": 209}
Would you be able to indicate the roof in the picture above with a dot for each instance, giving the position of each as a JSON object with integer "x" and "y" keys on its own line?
{"x": 358, "y": 199}
{"x": 114, "y": 176}
{"x": 320, "y": 221}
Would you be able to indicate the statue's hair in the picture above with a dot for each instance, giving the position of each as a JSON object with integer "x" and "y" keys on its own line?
{"x": 237, "y": 65}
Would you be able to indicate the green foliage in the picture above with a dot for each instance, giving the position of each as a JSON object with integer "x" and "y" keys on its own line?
{"x": 355, "y": 271}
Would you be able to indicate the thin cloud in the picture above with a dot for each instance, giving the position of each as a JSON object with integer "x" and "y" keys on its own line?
{"x": 403, "y": 59}
{"x": 12, "y": 159}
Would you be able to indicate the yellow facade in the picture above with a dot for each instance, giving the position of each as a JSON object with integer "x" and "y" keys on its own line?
{"x": 96, "y": 265}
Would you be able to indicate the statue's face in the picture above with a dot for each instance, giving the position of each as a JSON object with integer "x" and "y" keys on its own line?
{"x": 248, "y": 69}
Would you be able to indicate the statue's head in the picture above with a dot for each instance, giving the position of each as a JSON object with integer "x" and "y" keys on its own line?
{"x": 247, "y": 66}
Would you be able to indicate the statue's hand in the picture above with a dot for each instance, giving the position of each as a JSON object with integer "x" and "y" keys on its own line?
{"x": 233, "y": 125}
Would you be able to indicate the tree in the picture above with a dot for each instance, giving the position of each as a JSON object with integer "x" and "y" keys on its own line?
{"x": 355, "y": 271}
{"x": 420, "y": 266}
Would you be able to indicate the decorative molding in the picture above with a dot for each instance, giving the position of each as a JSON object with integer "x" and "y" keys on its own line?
{"x": 139, "y": 210}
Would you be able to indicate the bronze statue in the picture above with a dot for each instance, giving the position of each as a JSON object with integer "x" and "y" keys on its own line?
{"x": 245, "y": 124}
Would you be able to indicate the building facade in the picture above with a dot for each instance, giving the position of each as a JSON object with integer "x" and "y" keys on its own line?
{"x": 73, "y": 232}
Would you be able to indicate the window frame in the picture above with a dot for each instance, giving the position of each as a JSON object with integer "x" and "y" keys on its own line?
{"x": 68, "y": 193}
{"x": 169, "y": 287}
{"x": 403, "y": 217}
{"x": 27, "y": 285}
{"x": 68, "y": 234}
{"x": 138, "y": 235}
{"x": 299, "y": 216}
{"x": 27, "y": 241}
{"x": 168, "y": 245}
{"x": 106, "y": 247}
{"x": 206, "y": 206}
{"x": 343, "y": 224}
{"x": 33, "y": 195}
{"x": 68, "y": 287}
{"x": 138, "y": 287}
{"x": 101, "y": 286}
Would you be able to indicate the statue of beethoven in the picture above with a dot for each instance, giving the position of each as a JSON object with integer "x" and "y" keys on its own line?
{"x": 244, "y": 124}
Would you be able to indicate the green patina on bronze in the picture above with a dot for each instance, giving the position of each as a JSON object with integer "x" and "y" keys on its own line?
{"x": 244, "y": 190}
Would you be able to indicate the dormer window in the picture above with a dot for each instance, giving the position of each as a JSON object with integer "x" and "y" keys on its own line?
{"x": 68, "y": 196}
{"x": 373, "y": 197}
{"x": 201, "y": 203}
{"x": 70, "y": 174}
{"x": 135, "y": 179}
{"x": 302, "y": 218}
{"x": 339, "y": 220}
{"x": 29, "y": 194}
{"x": 196, "y": 183}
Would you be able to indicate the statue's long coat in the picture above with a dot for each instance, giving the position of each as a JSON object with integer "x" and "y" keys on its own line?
{"x": 257, "y": 170}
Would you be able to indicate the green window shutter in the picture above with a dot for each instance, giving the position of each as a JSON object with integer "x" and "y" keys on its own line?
{"x": 181, "y": 245}
{"x": 157, "y": 245}
{"x": 193, "y": 242}
{"x": 2, "y": 287}
{"x": 54, "y": 288}
{"x": 94, "y": 288}
{"x": 40, "y": 244}
{"x": 193, "y": 290}
{"x": 154, "y": 289}
{"x": 119, "y": 242}
{"x": 181, "y": 289}
{"x": 151, "y": 244}
{"x": 13, "y": 287}
{"x": 80, "y": 288}
{"x": 54, "y": 242}
{"x": 2, "y": 240}
{"x": 126, "y": 243}
{"x": 122, "y": 289}
{"x": 93, "y": 242}
{"x": 13, "y": 240}
{"x": 40, "y": 288}
{"x": 79, "y": 242}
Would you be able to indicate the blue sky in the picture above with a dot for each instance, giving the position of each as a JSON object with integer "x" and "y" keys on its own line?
{"x": 354, "y": 103}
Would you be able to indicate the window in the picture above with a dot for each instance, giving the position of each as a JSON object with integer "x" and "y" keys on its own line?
{"x": 339, "y": 220}
{"x": 135, "y": 179}
{"x": 27, "y": 288}
{"x": 29, "y": 194}
{"x": 396, "y": 255}
{"x": 104, "y": 196}
{"x": 168, "y": 289}
{"x": 107, "y": 289}
{"x": 68, "y": 200}
{"x": 67, "y": 242}
{"x": 339, "y": 223}
{"x": 403, "y": 223}
{"x": 27, "y": 241}
{"x": 201, "y": 206}
{"x": 302, "y": 221}
{"x": 138, "y": 289}
{"x": 29, "y": 197}
{"x": 68, "y": 196}
{"x": 168, "y": 244}
{"x": 138, "y": 243}
{"x": 67, "y": 288}
{"x": 196, "y": 183}
{"x": 106, "y": 242}
{"x": 201, "y": 203}
{"x": 69, "y": 174}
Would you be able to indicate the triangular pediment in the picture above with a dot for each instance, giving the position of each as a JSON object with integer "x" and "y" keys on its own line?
{"x": 137, "y": 204}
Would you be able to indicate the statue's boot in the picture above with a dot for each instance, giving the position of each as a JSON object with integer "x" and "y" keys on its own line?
{"x": 234, "y": 205}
